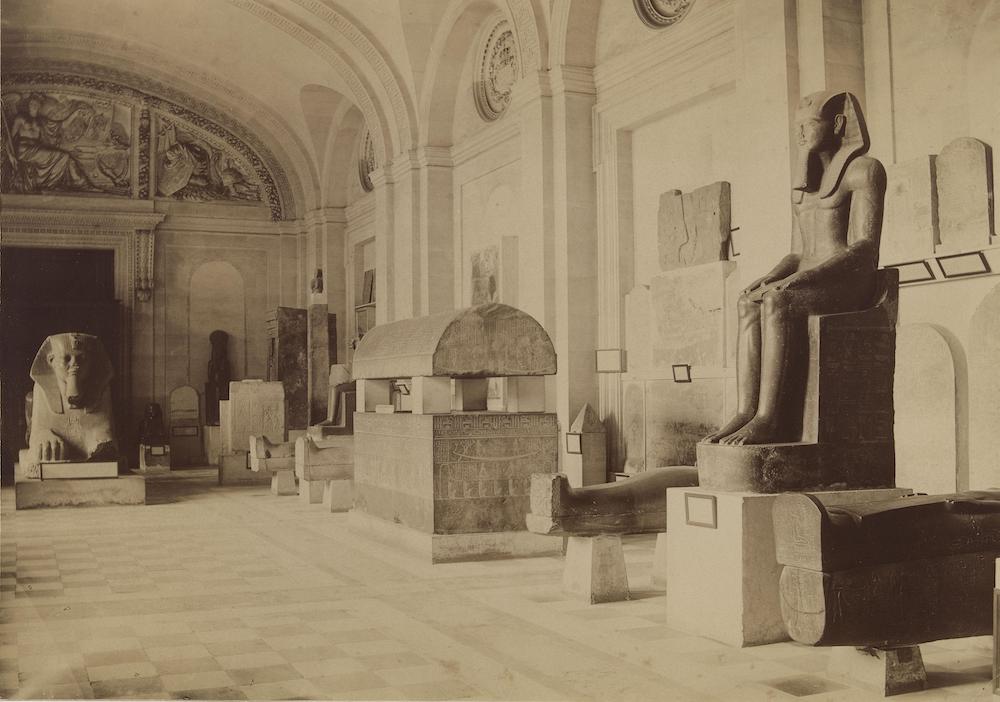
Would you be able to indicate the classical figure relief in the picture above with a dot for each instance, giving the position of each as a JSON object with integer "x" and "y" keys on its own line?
{"x": 64, "y": 143}
{"x": 192, "y": 168}
{"x": 662, "y": 13}
{"x": 837, "y": 198}
{"x": 71, "y": 416}
{"x": 497, "y": 71}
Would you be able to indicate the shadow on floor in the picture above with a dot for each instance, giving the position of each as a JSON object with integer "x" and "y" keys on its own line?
{"x": 181, "y": 485}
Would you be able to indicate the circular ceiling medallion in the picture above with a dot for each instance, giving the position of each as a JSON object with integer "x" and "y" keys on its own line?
{"x": 661, "y": 13}
{"x": 497, "y": 71}
{"x": 366, "y": 162}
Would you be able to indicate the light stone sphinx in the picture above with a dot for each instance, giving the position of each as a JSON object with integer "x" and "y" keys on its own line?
{"x": 71, "y": 417}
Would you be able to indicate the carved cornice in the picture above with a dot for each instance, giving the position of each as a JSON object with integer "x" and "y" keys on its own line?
{"x": 325, "y": 215}
{"x": 16, "y": 219}
{"x": 435, "y": 156}
{"x": 48, "y": 40}
{"x": 573, "y": 79}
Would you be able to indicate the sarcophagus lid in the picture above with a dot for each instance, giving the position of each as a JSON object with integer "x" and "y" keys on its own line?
{"x": 485, "y": 341}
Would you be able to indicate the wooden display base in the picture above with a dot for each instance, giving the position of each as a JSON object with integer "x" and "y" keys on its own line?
{"x": 83, "y": 492}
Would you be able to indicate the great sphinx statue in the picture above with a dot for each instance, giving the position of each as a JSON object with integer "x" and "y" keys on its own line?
{"x": 821, "y": 320}
{"x": 71, "y": 418}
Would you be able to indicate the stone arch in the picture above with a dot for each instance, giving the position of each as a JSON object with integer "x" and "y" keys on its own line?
{"x": 574, "y": 33}
{"x": 51, "y": 53}
{"x": 984, "y": 389}
{"x": 348, "y": 50}
{"x": 459, "y": 28}
{"x": 342, "y": 157}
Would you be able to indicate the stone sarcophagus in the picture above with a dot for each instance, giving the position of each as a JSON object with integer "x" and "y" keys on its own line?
{"x": 449, "y": 478}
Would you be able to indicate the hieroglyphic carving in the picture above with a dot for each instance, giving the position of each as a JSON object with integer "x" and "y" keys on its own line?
{"x": 662, "y": 13}
{"x": 32, "y": 79}
{"x": 497, "y": 71}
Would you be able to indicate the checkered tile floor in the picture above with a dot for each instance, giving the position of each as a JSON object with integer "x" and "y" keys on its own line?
{"x": 231, "y": 593}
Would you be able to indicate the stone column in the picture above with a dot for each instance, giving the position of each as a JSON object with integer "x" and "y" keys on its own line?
{"x": 437, "y": 233}
{"x": 384, "y": 191}
{"x": 405, "y": 231}
{"x": 575, "y": 240}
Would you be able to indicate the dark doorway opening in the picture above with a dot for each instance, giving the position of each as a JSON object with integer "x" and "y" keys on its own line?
{"x": 43, "y": 292}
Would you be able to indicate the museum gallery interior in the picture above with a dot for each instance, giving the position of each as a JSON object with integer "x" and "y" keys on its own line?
{"x": 500, "y": 349}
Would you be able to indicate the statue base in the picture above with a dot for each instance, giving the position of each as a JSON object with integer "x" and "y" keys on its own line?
{"x": 338, "y": 495}
{"x": 796, "y": 467}
{"x": 80, "y": 492}
{"x": 886, "y": 671}
{"x": 722, "y": 569}
{"x": 595, "y": 569}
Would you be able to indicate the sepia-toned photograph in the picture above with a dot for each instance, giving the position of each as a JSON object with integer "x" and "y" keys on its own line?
{"x": 505, "y": 350}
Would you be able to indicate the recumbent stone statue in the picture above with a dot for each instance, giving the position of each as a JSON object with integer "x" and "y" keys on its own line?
{"x": 71, "y": 417}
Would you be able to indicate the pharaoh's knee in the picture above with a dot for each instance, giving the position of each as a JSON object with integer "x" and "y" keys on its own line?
{"x": 775, "y": 303}
{"x": 746, "y": 306}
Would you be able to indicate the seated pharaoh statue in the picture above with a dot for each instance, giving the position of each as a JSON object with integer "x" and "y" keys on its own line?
{"x": 71, "y": 417}
{"x": 820, "y": 322}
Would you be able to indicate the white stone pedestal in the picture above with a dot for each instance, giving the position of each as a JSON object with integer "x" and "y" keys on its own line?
{"x": 722, "y": 570}
{"x": 283, "y": 482}
{"x": 886, "y": 671}
{"x": 311, "y": 491}
{"x": 659, "y": 577}
{"x": 85, "y": 492}
{"x": 595, "y": 569}
{"x": 338, "y": 495}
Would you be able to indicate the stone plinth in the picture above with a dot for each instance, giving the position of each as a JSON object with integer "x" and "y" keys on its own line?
{"x": 595, "y": 569}
{"x": 123, "y": 490}
{"x": 338, "y": 495}
{"x": 773, "y": 468}
{"x": 458, "y": 483}
{"x": 885, "y": 671}
{"x": 255, "y": 408}
{"x": 212, "y": 438}
{"x": 154, "y": 459}
{"x": 722, "y": 571}
{"x": 318, "y": 461}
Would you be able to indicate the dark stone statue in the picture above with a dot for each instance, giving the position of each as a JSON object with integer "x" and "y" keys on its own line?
{"x": 151, "y": 430}
{"x": 631, "y": 506}
{"x": 837, "y": 198}
{"x": 219, "y": 375}
{"x": 71, "y": 417}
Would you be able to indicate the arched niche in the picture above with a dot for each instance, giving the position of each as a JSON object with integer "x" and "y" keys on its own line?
{"x": 983, "y": 69}
{"x": 984, "y": 391}
{"x": 216, "y": 300}
{"x": 924, "y": 400}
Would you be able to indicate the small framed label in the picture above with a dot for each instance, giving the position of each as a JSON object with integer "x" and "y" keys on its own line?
{"x": 961, "y": 265}
{"x": 610, "y": 360}
{"x": 156, "y": 450}
{"x": 184, "y": 431}
{"x": 914, "y": 272}
{"x": 574, "y": 443}
{"x": 700, "y": 510}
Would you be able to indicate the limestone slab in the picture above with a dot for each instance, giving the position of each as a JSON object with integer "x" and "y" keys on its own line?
{"x": 331, "y": 458}
{"x": 689, "y": 309}
{"x": 634, "y": 425}
{"x": 638, "y": 328}
{"x": 594, "y": 569}
{"x": 678, "y": 416}
{"x": 256, "y": 408}
{"x": 694, "y": 227}
{"x": 963, "y": 188}
{"x": 123, "y": 490}
{"x": 910, "y": 222}
{"x": 984, "y": 389}
{"x": 924, "y": 424}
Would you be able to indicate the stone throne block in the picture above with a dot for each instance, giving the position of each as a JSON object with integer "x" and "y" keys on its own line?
{"x": 847, "y": 419}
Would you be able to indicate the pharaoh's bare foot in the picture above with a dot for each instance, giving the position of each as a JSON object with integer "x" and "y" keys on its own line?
{"x": 759, "y": 430}
{"x": 728, "y": 428}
